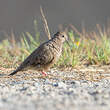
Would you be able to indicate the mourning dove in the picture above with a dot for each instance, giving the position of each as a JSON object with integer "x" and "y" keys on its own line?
{"x": 45, "y": 56}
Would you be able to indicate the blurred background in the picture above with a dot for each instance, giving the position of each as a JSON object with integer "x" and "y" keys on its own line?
{"x": 19, "y": 15}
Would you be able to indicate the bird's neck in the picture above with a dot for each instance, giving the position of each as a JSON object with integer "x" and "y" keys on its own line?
{"x": 57, "y": 42}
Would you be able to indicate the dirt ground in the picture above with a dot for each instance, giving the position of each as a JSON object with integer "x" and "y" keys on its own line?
{"x": 91, "y": 73}
{"x": 81, "y": 88}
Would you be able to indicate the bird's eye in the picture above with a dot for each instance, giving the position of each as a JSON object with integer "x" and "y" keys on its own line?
{"x": 62, "y": 35}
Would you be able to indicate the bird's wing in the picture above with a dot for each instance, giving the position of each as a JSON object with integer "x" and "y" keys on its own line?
{"x": 41, "y": 56}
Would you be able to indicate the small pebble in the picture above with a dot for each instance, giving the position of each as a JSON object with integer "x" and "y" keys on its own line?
{"x": 55, "y": 84}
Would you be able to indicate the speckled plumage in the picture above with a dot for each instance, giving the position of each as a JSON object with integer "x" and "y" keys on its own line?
{"x": 45, "y": 56}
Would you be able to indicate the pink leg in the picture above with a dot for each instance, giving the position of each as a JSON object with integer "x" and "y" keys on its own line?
{"x": 45, "y": 74}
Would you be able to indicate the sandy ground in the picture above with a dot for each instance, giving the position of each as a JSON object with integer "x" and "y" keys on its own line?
{"x": 67, "y": 89}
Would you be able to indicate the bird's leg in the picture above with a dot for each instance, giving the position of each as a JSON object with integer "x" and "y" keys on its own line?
{"x": 44, "y": 73}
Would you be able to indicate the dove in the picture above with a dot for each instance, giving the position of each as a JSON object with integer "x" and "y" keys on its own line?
{"x": 45, "y": 56}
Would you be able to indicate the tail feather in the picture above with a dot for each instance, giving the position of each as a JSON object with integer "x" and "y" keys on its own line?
{"x": 14, "y": 72}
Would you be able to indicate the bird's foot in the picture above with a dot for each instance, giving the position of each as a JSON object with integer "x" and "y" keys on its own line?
{"x": 45, "y": 74}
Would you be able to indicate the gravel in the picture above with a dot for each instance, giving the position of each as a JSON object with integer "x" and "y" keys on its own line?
{"x": 24, "y": 92}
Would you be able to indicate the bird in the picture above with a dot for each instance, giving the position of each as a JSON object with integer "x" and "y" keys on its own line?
{"x": 45, "y": 56}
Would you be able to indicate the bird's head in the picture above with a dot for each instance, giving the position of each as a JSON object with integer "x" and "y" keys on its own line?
{"x": 62, "y": 36}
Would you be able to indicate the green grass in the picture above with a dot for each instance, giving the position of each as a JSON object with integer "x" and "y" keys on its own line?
{"x": 86, "y": 48}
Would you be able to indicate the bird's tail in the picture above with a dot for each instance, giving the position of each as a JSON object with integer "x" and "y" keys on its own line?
{"x": 15, "y": 71}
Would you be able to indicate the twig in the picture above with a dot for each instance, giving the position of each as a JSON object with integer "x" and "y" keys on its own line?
{"x": 45, "y": 23}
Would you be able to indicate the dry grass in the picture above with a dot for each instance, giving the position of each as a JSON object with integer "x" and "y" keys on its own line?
{"x": 45, "y": 23}
{"x": 85, "y": 48}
